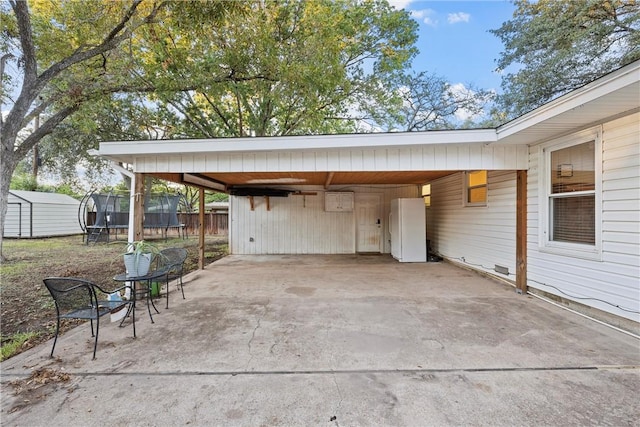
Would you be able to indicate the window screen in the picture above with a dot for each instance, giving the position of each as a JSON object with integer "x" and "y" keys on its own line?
{"x": 572, "y": 194}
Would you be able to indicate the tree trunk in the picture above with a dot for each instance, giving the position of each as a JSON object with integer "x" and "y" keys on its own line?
{"x": 6, "y": 172}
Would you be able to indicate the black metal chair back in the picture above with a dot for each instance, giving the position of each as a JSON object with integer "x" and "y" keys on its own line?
{"x": 172, "y": 259}
{"x": 78, "y": 299}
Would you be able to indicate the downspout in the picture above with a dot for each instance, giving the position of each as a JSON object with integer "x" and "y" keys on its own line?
{"x": 132, "y": 195}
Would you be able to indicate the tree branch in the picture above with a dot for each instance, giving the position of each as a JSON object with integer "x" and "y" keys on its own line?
{"x": 45, "y": 128}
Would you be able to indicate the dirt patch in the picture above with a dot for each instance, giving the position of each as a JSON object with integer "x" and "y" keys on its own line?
{"x": 37, "y": 387}
{"x": 25, "y": 304}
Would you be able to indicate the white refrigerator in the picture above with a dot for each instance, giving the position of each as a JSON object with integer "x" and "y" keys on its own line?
{"x": 408, "y": 230}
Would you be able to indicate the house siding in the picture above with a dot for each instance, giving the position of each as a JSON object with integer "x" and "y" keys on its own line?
{"x": 480, "y": 236}
{"x": 614, "y": 279}
{"x": 299, "y": 224}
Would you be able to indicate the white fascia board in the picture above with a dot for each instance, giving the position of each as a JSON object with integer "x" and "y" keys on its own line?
{"x": 625, "y": 77}
{"x": 119, "y": 149}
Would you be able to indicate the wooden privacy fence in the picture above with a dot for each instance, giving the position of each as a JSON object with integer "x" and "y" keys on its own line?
{"x": 214, "y": 223}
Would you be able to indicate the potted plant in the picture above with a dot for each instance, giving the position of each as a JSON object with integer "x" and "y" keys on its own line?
{"x": 138, "y": 257}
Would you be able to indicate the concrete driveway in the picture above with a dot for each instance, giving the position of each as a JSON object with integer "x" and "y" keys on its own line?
{"x": 334, "y": 341}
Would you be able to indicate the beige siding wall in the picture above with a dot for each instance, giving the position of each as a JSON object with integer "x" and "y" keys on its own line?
{"x": 300, "y": 225}
{"x": 480, "y": 236}
{"x": 615, "y": 277}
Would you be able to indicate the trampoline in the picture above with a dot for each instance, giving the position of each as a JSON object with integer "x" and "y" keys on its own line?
{"x": 111, "y": 215}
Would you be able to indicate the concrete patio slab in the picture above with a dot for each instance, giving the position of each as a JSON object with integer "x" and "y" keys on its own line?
{"x": 339, "y": 341}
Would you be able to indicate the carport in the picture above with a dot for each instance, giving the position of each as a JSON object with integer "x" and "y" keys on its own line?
{"x": 262, "y": 168}
{"x": 513, "y": 237}
{"x": 337, "y": 340}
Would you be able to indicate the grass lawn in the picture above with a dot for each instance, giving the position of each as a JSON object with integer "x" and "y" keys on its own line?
{"x": 27, "y": 311}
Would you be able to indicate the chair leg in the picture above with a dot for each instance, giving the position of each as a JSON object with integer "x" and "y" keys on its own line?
{"x": 181, "y": 286}
{"x": 167, "y": 291}
{"x": 95, "y": 343}
{"x": 55, "y": 339}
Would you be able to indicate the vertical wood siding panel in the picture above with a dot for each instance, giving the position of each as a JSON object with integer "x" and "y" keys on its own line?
{"x": 369, "y": 160}
{"x": 322, "y": 163}
{"x": 464, "y": 159}
{"x": 174, "y": 164}
{"x": 248, "y": 162}
{"x": 417, "y": 159}
{"x": 212, "y": 162}
{"x": 284, "y": 162}
{"x": 393, "y": 159}
{"x": 333, "y": 160}
{"x": 309, "y": 161}
{"x": 487, "y": 158}
{"x": 345, "y": 160}
{"x": 224, "y": 162}
{"x": 439, "y": 158}
{"x": 273, "y": 162}
{"x": 404, "y": 159}
{"x": 199, "y": 163}
{"x": 357, "y": 162}
{"x": 260, "y": 162}
{"x": 381, "y": 160}
{"x": 186, "y": 163}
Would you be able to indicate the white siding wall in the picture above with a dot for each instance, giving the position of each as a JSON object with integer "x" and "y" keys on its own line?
{"x": 18, "y": 219}
{"x": 55, "y": 220}
{"x": 300, "y": 225}
{"x": 616, "y": 277}
{"x": 428, "y": 157}
{"x": 47, "y": 219}
{"x": 481, "y": 235}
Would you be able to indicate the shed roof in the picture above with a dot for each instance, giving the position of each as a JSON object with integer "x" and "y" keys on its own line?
{"x": 44, "y": 198}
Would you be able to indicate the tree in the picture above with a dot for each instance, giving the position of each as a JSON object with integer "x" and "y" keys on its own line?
{"x": 68, "y": 54}
{"x": 286, "y": 68}
{"x": 75, "y": 58}
{"x": 555, "y": 46}
{"x": 424, "y": 101}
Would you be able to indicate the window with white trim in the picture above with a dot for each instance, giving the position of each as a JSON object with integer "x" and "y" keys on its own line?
{"x": 475, "y": 186}
{"x": 571, "y": 200}
{"x": 426, "y": 194}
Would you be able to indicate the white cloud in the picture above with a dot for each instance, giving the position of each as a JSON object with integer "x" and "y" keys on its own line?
{"x": 400, "y": 4}
{"x": 454, "y": 18}
{"x": 425, "y": 15}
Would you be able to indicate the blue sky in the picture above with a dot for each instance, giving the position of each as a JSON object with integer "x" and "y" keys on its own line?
{"x": 454, "y": 41}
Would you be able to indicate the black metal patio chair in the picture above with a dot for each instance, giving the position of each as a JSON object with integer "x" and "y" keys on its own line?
{"x": 78, "y": 299}
{"x": 172, "y": 259}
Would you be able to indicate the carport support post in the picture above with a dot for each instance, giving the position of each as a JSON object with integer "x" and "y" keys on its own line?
{"x": 521, "y": 232}
{"x": 138, "y": 207}
{"x": 201, "y": 235}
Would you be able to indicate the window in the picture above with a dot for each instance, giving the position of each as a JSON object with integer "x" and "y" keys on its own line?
{"x": 426, "y": 194}
{"x": 476, "y": 188}
{"x": 571, "y": 194}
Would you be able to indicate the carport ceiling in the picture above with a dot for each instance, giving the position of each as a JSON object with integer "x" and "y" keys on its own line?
{"x": 261, "y": 179}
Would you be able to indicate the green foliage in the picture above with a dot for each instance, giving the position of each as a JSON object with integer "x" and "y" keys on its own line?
{"x": 24, "y": 181}
{"x": 13, "y": 344}
{"x": 216, "y": 197}
{"x": 282, "y": 68}
{"x": 555, "y": 46}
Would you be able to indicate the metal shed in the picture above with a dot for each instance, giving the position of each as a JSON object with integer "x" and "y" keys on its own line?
{"x": 32, "y": 214}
